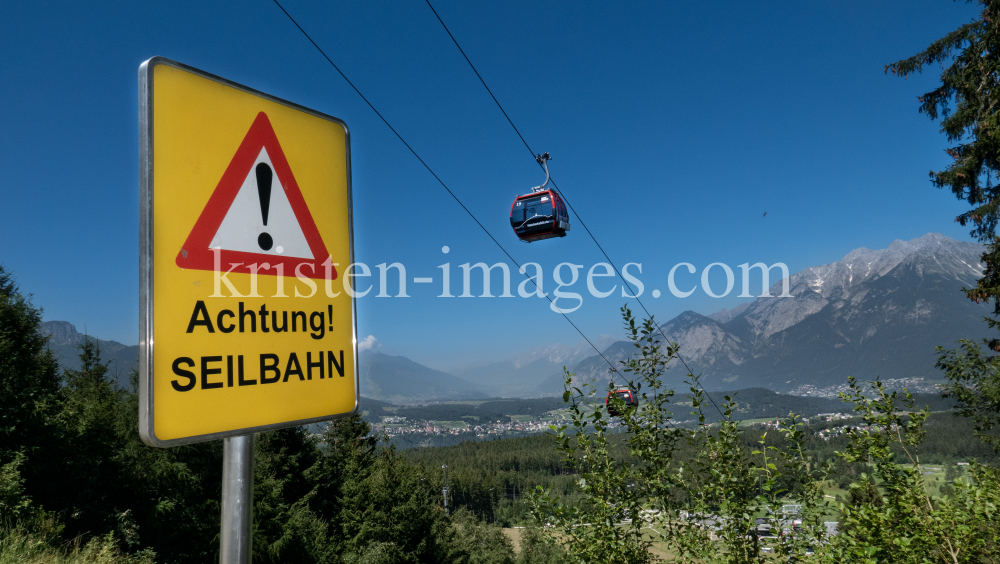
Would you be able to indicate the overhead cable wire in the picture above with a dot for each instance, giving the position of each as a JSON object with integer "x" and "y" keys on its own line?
{"x": 462, "y": 51}
{"x": 634, "y": 295}
{"x": 436, "y": 177}
{"x": 561, "y": 193}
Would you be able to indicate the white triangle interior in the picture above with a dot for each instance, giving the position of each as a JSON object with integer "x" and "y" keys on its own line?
{"x": 244, "y": 221}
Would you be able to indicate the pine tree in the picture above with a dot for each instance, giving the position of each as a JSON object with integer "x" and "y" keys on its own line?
{"x": 29, "y": 384}
{"x": 91, "y": 475}
{"x": 968, "y": 105}
{"x": 378, "y": 505}
{"x": 172, "y": 494}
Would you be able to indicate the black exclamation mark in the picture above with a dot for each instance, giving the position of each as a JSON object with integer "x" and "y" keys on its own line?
{"x": 330, "y": 318}
{"x": 264, "y": 192}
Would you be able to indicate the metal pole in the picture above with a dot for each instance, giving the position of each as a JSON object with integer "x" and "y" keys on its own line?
{"x": 237, "y": 500}
{"x": 444, "y": 490}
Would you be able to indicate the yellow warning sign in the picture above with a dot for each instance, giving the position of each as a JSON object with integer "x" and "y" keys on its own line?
{"x": 245, "y": 232}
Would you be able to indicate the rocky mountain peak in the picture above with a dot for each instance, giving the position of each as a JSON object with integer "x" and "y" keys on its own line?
{"x": 864, "y": 264}
{"x": 815, "y": 287}
{"x": 560, "y": 353}
{"x": 725, "y": 315}
{"x": 61, "y": 333}
{"x": 849, "y": 317}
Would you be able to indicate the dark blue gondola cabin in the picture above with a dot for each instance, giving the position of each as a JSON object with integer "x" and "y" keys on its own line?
{"x": 624, "y": 394}
{"x": 540, "y": 215}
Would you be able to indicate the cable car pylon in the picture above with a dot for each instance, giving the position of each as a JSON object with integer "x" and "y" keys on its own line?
{"x": 540, "y": 214}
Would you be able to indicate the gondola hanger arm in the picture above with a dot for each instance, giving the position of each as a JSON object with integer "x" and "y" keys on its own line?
{"x": 543, "y": 160}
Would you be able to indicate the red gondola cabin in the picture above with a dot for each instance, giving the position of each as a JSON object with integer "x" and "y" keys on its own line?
{"x": 540, "y": 215}
{"x": 625, "y": 394}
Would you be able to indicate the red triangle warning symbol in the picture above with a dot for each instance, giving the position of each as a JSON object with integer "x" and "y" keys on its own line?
{"x": 257, "y": 214}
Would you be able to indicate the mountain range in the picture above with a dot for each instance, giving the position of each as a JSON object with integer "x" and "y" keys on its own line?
{"x": 389, "y": 378}
{"x": 397, "y": 379}
{"x": 876, "y": 313}
{"x": 64, "y": 340}
{"x": 519, "y": 376}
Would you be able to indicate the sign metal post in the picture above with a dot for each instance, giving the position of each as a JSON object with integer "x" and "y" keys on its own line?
{"x": 246, "y": 236}
{"x": 237, "y": 500}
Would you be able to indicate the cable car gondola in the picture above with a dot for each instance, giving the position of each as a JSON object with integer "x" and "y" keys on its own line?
{"x": 540, "y": 214}
{"x": 627, "y": 395}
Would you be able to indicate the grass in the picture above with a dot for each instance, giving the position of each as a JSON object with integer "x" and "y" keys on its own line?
{"x": 515, "y": 538}
{"x": 20, "y": 547}
{"x": 465, "y": 402}
{"x": 658, "y": 548}
{"x": 934, "y": 476}
{"x": 561, "y": 414}
{"x": 749, "y": 422}
{"x": 452, "y": 424}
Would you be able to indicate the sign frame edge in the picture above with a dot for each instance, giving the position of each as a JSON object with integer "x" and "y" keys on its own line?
{"x": 146, "y": 409}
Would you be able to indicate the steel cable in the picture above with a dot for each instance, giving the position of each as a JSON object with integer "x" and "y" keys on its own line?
{"x": 561, "y": 193}
{"x": 436, "y": 177}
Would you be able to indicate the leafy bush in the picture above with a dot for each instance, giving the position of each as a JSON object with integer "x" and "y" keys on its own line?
{"x": 892, "y": 515}
{"x": 707, "y": 505}
{"x": 704, "y": 506}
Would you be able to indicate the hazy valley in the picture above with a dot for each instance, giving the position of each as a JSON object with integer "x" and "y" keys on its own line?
{"x": 876, "y": 313}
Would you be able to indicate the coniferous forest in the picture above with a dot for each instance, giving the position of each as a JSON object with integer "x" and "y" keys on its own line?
{"x": 493, "y": 478}
{"x": 78, "y": 483}
{"x": 76, "y": 479}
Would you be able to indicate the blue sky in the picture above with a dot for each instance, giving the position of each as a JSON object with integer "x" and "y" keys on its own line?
{"x": 673, "y": 127}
